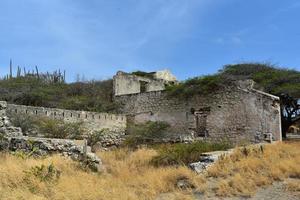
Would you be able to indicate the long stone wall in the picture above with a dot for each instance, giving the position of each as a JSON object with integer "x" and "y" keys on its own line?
{"x": 92, "y": 120}
{"x": 238, "y": 113}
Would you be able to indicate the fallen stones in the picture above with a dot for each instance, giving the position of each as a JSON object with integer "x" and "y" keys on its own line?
{"x": 47, "y": 146}
{"x": 207, "y": 159}
{"x": 184, "y": 184}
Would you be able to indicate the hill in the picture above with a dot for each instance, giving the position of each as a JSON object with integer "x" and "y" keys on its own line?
{"x": 30, "y": 90}
{"x": 269, "y": 78}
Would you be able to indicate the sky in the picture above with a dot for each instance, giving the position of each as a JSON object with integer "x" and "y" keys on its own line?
{"x": 97, "y": 38}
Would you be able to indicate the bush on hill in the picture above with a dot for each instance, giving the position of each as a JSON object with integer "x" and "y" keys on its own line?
{"x": 91, "y": 96}
{"x": 146, "y": 133}
{"x": 270, "y": 78}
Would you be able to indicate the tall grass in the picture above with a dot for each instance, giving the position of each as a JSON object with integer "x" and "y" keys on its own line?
{"x": 183, "y": 154}
{"x": 127, "y": 176}
{"x": 247, "y": 169}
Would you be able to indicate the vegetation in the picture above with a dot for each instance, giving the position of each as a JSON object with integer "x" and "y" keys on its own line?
{"x": 130, "y": 175}
{"x": 198, "y": 85}
{"x": 127, "y": 176}
{"x": 44, "y": 173}
{"x": 146, "y": 133}
{"x": 52, "y": 128}
{"x": 89, "y": 96}
{"x": 249, "y": 168}
{"x": 95, "y": 137}
{"x": 270, "y": 78}
{"x": 184, "y": 154}
{"x": 25, "y": 123}
{"x": 143, "y": 74}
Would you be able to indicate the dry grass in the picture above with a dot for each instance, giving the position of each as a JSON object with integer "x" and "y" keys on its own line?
{"x": 127, "y": 176}
{"x": 293, "y": 185}
{"x": 249, "y": 168}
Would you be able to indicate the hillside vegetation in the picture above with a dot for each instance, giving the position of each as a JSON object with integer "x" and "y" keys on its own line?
{"x": 90, "y": 95}
{"x": 130, "y": 175}
{"x": 269, "y": 78}
{"x": 97, "y": 95}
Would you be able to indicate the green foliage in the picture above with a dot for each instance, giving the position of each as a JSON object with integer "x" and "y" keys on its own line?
{"x": 25, "y": 123}
{"x": 143, "y": 74}
{"x": 54, "y": 128}
{"x": 268, "y": 77}
{"x": 48, "y": 127}
{"x": 23, "y": 154}
{"x": 246, "y": 70}
{"x": 96, "y": 136}
{"x": 197, "y": 85}
{"x": 44, "y": 173}
{"x": 91, "y": 96}
{"x": 146, "y": 133}
{"x": 182, "y": 154}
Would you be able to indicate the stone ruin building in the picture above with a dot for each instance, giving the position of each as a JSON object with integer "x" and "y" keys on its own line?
{"x": 238, "y": 113}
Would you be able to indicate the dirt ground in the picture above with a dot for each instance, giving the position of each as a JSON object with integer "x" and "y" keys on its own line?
{"x": 277, "y": 191}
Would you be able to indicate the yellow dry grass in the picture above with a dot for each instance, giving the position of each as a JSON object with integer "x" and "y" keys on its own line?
{"x": 127, "y": 176}
{"x": 293, "y": 185}
{"x": 247, "y": 169}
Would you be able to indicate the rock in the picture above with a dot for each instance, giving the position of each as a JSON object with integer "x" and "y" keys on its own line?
{"x": 206, "y": 160}
{"x": 184, "y": 184}
{"x": 198, "y": 166}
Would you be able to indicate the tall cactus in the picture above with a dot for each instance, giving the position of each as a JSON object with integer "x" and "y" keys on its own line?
{"x": 10, "y": 68}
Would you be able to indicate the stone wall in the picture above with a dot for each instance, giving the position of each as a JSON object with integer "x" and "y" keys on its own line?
{"x": 238, "y": 113}
{"x": 12, "y": 139}
{"x": 91, "y": 120}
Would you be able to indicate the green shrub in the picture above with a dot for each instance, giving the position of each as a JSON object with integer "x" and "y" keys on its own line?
{"x": 198, "y": 85}
{"x": 146, "y": 133}
{"x": 143, "y": 74}
{"x": 54, "y": 128}
{"x": 24, "y": 155}
{"x": 96, "y": 136}
{"x": 182, "y": 154}
{"x": 44, "y": 173}
{"x": 25, "y": 123}
{"x": 267, "y": 76}
{"x": 90, "y": 96}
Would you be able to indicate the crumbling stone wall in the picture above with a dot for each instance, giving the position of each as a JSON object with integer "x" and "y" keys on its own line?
{"x": 93, "y": 121}
{"x": 125, "y": 83}
{"x": 239, "y": 113}
{"x": 12, "y": 139}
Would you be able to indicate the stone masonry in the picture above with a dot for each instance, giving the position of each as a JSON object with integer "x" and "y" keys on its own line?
{"x": 239, "y": 113}
{"x": 12, "y": 139}
{"x": 92, "y": 121}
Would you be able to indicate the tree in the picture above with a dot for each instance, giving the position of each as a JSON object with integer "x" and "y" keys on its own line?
{"x": 290, "y": 112}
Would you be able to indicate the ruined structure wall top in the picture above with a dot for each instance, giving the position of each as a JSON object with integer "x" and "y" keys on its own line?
{"x": 93, "y": 121}
{"x": 125, "y": 83}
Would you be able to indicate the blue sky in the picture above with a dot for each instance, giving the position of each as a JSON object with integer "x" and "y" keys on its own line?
{"x": 190, "y": 37}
